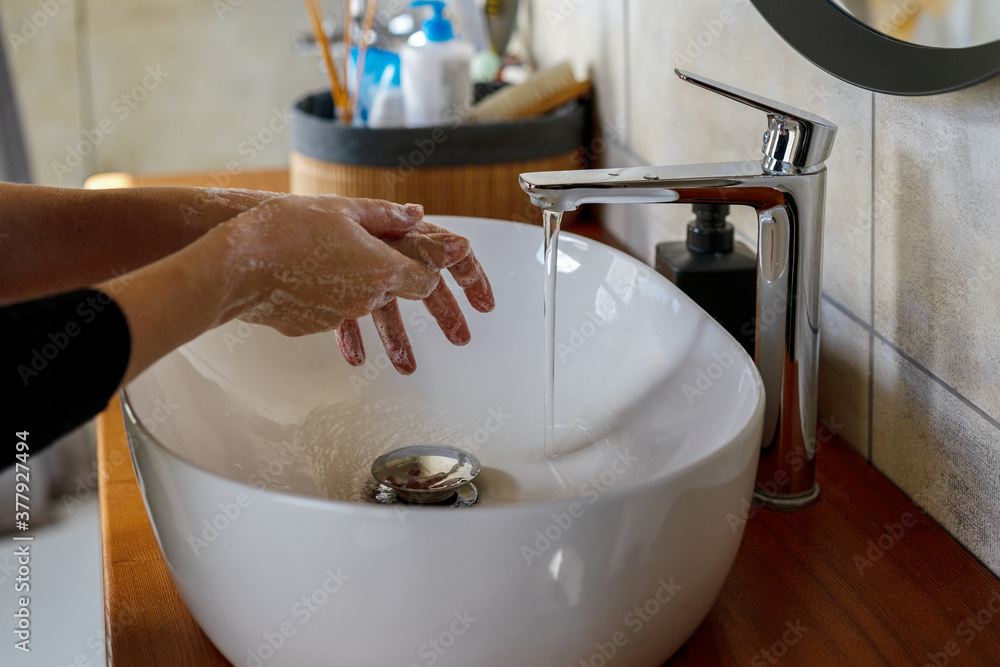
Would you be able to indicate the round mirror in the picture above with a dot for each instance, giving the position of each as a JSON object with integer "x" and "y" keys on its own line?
{"x": 901, "y": 47}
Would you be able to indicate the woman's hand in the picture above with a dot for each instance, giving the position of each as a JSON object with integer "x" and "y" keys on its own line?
{"x": 351, "y": 273}
{"x": 302, "y": 265}
{"x": 437, "y": 249}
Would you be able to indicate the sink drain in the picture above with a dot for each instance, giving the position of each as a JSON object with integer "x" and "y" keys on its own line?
{"x": 464, "y": 497}
{"x": 426, "y": 475}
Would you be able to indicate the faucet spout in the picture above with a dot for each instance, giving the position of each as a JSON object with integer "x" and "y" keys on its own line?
{"x": 789, "y": 210}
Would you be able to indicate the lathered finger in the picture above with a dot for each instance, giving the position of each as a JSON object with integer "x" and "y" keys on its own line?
{"x": 410, "y": 279}
{"x": 350, "y": 343}
{"x": 468, "y": 273}
{"x": 389, "y": 324}
{"x": 472, "y": 279}
{"x": 444, "y": 308}
{"x": 435, "y": 251}
{"x": 383, "y": 219}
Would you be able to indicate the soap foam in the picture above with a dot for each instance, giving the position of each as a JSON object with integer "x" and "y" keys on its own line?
{"x": 329, "y": 455}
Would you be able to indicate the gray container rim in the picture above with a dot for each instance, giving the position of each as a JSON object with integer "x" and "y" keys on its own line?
{"x": 315, "y": 133}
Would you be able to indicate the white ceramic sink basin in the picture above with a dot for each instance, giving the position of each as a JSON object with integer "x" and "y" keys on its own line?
{"x": 253, "y": 452}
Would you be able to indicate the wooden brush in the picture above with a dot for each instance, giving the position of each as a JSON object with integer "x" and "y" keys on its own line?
{"x": 541, "y": 93}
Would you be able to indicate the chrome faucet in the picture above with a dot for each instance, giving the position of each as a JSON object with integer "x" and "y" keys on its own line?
{"x": 787, "y": 189}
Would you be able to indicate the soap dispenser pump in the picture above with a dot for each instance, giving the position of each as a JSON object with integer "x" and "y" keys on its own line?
{"x": 715, "y": 270}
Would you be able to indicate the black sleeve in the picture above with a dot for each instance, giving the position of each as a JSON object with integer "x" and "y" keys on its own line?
{"x": 61, "y": 360}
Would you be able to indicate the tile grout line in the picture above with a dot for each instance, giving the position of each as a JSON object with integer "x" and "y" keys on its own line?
{"x": 874, "y": 335}
{"x": 947, "y": 387}
{"x": 871, "y": 292}
{"x": 848, "y": 312}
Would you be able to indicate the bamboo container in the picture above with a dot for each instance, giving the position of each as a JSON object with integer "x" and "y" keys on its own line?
{"x": 462, "y": 169}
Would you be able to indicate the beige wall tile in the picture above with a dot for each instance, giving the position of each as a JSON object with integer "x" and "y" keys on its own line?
{"x": 42, "y": 52}
{"x": 226, "y": 79}
{"x": 843, "y": 377}
{"x": 592, "y": 36}
{"x": 937, "y": 247}
{"x": 939, "y": 451}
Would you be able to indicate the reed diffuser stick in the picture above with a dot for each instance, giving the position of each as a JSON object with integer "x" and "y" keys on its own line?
{"x": 362, "y": 52}
{"x": 316, "y": 19}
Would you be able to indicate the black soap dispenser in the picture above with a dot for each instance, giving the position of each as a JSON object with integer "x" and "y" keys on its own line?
{"x": 719, "y": 273}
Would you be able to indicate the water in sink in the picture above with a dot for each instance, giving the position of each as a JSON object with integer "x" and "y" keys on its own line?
{"x": 329, "y": 455}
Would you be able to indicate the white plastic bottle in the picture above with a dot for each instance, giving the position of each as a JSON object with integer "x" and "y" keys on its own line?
{"x": 436, "y": 79}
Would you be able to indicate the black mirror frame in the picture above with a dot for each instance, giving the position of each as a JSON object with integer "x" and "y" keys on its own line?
{"x": 849, "y": 50}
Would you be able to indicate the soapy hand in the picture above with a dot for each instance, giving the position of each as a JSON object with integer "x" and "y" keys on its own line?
{"x": 319, "y": 263}
{"x": 435, "y": 248}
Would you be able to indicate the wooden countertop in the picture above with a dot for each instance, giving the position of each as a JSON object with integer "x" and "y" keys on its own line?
{"x": 862, "y": 578}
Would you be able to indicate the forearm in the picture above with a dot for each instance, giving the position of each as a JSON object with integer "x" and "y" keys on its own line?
{"x": 56, "y": 239}
{"x": 173, "y": 300}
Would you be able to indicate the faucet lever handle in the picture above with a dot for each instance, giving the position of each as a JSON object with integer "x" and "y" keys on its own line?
{"x": 795, "y": 139}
